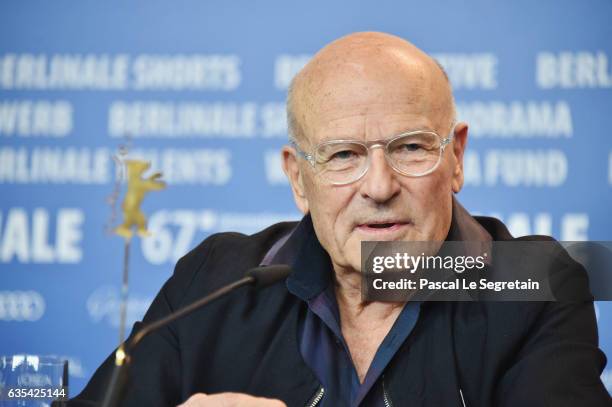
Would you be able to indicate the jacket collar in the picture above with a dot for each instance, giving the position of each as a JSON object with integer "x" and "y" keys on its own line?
{"x": 464, "y": 227}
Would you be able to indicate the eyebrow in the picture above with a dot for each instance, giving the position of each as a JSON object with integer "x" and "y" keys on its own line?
{"x": 353, "y": 138}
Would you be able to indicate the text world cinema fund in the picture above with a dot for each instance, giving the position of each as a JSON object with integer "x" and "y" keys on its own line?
{"x": 459, "y": 264}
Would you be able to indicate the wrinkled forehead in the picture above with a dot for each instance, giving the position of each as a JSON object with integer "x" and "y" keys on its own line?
{"x": 371, "y": 94}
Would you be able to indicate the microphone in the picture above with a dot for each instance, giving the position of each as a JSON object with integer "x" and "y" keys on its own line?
{"x": 264, "y": 276}
{"x": 258, "y": 277}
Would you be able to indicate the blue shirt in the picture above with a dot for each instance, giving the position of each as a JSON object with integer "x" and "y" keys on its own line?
{"x": 320, "y": 337}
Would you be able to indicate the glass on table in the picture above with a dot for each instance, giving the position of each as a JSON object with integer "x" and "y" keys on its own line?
{"x": 32, "y": 381}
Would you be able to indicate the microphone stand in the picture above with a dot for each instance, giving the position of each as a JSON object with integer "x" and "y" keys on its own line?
{"x": 259, "y": 277}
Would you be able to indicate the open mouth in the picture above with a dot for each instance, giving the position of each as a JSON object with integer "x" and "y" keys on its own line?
{"x": 381, "y": 225}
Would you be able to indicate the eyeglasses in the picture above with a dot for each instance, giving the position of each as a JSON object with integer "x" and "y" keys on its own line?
{"x": 341, "y": 162}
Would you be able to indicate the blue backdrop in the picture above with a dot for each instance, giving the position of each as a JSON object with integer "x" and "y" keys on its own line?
{"x": 198, "y": 88}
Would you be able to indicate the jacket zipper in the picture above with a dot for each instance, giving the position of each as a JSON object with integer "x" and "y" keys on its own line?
{"x": 386, "y": 398}
{"x": 462, "y": 399}
{"x": 316, "y": 398}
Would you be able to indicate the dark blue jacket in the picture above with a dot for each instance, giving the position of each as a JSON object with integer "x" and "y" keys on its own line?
{"x": 517, "y": 354}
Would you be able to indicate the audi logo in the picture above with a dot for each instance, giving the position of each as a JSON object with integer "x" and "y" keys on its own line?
{"x": 21, "y": 306}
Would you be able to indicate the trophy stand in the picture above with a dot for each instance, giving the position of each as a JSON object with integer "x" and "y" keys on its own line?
{"x": 134, "y": 222}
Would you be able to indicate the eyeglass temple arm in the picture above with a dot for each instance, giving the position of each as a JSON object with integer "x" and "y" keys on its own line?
{"x": 302, "y": 154}
{"x": 446, "y": 141}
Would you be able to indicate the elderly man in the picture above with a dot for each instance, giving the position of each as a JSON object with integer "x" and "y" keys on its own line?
{"x": 376, "y": 154}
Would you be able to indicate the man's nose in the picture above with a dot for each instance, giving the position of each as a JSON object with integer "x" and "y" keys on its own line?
{"x": 380, "y": 183}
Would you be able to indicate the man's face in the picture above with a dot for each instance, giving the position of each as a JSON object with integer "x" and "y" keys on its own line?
{"x": 365, "y": 103}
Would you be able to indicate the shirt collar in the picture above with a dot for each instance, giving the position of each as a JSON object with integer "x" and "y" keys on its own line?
{"x": 311, "y": 265}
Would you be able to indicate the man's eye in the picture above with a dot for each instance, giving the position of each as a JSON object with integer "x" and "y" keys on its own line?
{"x": 343, "y": 155}
{"x": 409, "y": 147}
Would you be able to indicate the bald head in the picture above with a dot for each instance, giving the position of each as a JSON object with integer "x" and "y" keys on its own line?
{"x": 359, "y": 62}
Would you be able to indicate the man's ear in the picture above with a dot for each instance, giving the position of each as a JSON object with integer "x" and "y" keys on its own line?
{"x": 458, "y": 146}
{"x": 292, "y": 171}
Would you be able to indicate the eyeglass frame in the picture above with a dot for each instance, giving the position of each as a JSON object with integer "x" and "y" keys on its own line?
{"x": 380, "y": 143}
